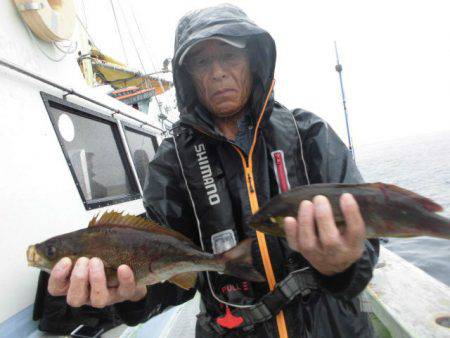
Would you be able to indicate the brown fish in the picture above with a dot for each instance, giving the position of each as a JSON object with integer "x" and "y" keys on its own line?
{"x": 388, "y": 210}
{"x": 154, "y": 253}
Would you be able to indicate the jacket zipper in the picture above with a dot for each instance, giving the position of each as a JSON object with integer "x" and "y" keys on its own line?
{"x": 248, "y": 171}
{"x": 250, "y": 182}
{"x": 248, "y": 174}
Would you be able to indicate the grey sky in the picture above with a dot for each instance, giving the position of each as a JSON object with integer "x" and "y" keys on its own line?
{"x": 395, "y": 54}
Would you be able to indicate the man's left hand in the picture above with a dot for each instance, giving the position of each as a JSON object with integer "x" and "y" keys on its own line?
{"x": 315, "y": 235}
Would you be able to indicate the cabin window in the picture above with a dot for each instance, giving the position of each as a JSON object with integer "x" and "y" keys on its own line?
{"x": 94, "y": 152}
{"x": 142, "y": 147}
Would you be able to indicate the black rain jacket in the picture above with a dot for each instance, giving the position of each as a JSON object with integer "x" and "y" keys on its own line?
{"x": 201, "y": 184}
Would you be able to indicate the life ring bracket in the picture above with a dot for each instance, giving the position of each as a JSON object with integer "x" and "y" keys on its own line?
{"x": 30, "y": 6}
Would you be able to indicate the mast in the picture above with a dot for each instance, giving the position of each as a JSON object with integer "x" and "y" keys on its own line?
{"x": 338, "y": 68}
{"x": 84, "y": 55}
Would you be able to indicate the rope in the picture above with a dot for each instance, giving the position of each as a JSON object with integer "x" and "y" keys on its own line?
{"x": 143, "y": 39}
{"x": 142, "y": 64}
{"x": 118, "y": 30}
{"x": 67, "y": 49}
{"x": 84, "y": 13}
{"x": 38, "y": 45}
{"x": 134, "y": 44}
{"x": 151, "y": 60}
{"x": 87, "y": 32}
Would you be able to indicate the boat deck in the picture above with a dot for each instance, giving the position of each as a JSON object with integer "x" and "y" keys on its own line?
{"x": 403, "y": 301}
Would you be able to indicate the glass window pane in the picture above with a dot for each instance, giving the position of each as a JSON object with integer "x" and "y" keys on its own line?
{"x": 142, "y": 149}
{"x": 93, "y": 152}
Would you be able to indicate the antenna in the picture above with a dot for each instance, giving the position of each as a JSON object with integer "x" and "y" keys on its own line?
{"x": 338, "y": 68}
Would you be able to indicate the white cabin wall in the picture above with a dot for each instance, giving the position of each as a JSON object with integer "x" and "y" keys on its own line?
{"x": 39, "y": 198}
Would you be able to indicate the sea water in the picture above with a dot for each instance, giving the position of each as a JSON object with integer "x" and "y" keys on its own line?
{"x": 420, "y": 163}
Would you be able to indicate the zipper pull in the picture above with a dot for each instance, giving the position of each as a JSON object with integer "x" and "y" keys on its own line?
{"x": 250, "y": 184}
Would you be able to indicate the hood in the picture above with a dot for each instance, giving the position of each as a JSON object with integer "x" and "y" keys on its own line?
{"x": 223, "y": 21}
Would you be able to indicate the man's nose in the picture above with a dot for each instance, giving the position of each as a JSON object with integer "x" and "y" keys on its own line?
{"x": 217, "y": 69}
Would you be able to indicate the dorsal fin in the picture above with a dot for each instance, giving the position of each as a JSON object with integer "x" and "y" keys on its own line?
{"x": 117, "y": 219}
{"x": 427, "y": 203}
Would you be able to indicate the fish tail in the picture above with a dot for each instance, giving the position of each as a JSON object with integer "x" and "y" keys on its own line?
{"x": 238, "y": 262}
{"x": 439, "y": 227}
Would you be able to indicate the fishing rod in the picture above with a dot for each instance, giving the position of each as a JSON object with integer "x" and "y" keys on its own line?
{"x": 338, "y": 68}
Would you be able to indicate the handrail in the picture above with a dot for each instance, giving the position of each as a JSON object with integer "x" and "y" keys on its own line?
{"x": 71, "y": 91}
{"x": 409, "y": 302}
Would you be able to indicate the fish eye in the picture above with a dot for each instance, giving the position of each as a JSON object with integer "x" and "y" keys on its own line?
{"x": 50, "y": 251}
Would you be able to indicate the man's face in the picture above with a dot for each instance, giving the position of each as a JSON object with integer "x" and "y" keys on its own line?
{"x": 221, "y": 75}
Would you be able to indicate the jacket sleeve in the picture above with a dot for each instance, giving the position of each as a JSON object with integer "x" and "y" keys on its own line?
{"x": 329, "y": 161}
{"x": 166, "y": 202}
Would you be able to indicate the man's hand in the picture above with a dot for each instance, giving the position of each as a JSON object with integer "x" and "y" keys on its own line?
{"x": 327, "y": 249}
{"x": 86, "y": 285}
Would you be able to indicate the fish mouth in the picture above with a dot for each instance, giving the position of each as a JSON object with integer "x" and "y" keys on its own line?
{"x": 33, "y": 257}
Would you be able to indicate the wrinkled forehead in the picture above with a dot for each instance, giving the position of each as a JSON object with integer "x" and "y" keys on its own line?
{"x": 210, "y": 47}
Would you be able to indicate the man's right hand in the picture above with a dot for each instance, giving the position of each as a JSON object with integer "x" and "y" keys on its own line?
{"x": 85, "y": 284}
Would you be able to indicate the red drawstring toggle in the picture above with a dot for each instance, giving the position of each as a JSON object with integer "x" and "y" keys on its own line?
{"x": 229, "y": 321}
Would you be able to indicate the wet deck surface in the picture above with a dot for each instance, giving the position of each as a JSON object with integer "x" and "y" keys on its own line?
{"x": 183, "y": 323}
{"x": 178, "y": 322}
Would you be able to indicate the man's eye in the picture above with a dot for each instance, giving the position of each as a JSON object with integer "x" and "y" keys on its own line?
{"x": 200, "y": 62}
{"x": 229, "y": 56}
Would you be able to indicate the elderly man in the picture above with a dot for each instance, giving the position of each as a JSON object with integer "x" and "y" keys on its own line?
{"x": 232, "y": 150}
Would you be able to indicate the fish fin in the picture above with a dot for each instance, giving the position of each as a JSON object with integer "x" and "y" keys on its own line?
{"x": 185, "y": 280}
{"x": 427, "y": 203}
{"x": 117, "y": 219}
{"x": 238, "y": 262}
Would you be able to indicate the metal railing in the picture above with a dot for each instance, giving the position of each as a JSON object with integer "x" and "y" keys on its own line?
{"x": 71, "y": 91}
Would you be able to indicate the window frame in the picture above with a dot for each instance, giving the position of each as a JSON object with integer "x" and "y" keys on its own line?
{"x": 139, "y": 130}
{"x": 50, "y": 101}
